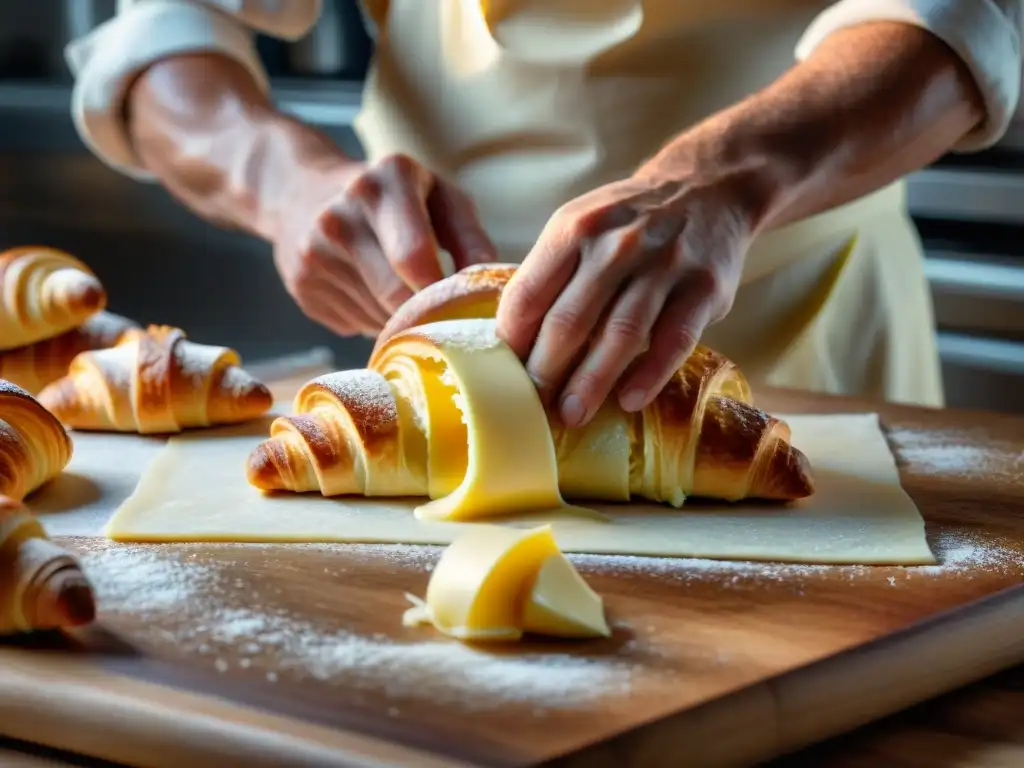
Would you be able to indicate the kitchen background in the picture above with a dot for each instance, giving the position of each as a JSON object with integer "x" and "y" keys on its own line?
{"x": 162, "y": 264}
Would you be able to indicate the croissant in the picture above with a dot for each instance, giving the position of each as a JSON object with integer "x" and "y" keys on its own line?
{"x": 43, "y": 293}
{"x": 155, "y": 381}
{"x": 400, "y": 427}
{"x": 36, "y": 365}
{"x": 41, "y": 585}
{"x": 34, "y": 448}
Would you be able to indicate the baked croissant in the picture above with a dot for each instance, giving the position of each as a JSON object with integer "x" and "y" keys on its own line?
{"x": 34, "y": 448}
{"x": 155, "y": 381}
{"x": 36, "y": 365}
{"x": 43, "y": 293}
{"x": 400, "y": 427}
{"x": 41, "y": 585}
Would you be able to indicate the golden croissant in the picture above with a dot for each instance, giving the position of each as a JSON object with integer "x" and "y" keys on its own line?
{"x": 34, "y": 447}
{"x": 34, "y": 366}
{"x": 41, "y": 585}
{"x": 155, "y": 381}
{"x": 43, "y": 293}
{"x": 398, "y": 428}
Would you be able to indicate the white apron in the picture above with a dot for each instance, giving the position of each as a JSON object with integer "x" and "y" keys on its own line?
{"x": 527, "y": 104}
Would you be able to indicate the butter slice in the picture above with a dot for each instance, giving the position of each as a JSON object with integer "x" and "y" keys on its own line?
{"x": 511, "y": 466}
{"x": 493, "y": 583}
{"x": 562, "y": 604}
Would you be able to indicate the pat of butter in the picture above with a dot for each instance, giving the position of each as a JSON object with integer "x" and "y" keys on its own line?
{"x": 562, "y": 604}
{"x": 495, "y": 583}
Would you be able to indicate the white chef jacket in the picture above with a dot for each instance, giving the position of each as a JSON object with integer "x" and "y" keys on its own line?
{"x": 528, "y": 103}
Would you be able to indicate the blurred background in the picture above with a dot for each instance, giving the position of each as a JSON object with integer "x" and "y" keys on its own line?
{"x": 162, "y": 264}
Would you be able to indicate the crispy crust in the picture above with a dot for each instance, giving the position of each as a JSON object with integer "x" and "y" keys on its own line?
{"x": 470, "y": 293}
{"x": 708, "y": 439}
{"x": 34, "y": 447}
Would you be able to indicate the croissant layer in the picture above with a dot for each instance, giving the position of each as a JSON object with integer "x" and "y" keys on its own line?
{"x": 34, "y": 366}
{"x": 41, "y": 585}
{"x": 34, "y": 447}
{"x": 401, "y": 427}
{"x": 156, "y": 381}
{"x": 44, "y": 292}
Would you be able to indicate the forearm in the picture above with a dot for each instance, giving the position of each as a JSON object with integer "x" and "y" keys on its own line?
{"x": 202, "y": 125}
{"x": 871, "y": 104}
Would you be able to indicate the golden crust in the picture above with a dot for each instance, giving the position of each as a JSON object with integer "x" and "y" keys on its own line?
{"x": 34, "y": 447}
{"x": 707, "y": 438}
{"x": 156, "y": 381}
{"x": 42, "y": 586}
{"x": 313, "y": 449}
{"x": 470, "y": 293}
{"x": 34, "y": 366}
{"x": 44, "y": 297}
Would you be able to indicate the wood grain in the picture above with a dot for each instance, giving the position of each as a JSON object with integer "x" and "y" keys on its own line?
{"x": 304, "y": 643}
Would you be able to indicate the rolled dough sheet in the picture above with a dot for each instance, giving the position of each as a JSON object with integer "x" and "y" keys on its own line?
{"x": 195, "y": 490}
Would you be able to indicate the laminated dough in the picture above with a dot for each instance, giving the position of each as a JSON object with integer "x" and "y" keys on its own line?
{"x": 195, "y": 489}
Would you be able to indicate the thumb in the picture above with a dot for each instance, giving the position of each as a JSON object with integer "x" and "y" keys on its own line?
{"x": 458, "y": 228}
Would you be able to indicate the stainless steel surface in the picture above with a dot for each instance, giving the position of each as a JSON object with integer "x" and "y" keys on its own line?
{"x": 322, "y": 51}
{"x": 967, "y": 195}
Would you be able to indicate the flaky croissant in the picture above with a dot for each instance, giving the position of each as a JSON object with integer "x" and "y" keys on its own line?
{"x": 34, "y": 447}
{"x": 395, "y": 428}
{"x": 43, "y": 293}
{"x": 156, "y": 382}
{"x": 362, "y": 433}
{"x": 41, "y": 585}
{"x": 34, "y": 366}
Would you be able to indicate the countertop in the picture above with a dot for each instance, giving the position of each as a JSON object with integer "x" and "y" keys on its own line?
{"x": 979, "y": 726}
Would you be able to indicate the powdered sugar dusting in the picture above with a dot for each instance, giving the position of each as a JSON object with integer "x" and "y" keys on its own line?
{"x": 117, "y": 364}
{"x": 958, "y": 453}
{"x": 106, "y": 328}
{"x": 469, "y": 334}
{"x": 200, "y": 601}
{"x": 197, "y": 360}
{"x": 228, "y": 630}
{"x": 958, "y": 554}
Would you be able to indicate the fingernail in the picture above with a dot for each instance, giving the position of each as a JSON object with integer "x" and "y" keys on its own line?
{"x": 573, "y": 411}
{"x": 632, "y": 401}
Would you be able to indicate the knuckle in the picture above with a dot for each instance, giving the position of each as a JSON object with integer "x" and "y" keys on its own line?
{"x": 625, "y": 331}
{"x": 399, "y": 166}
{"x": 367, "y": 187}
{"x": 564, "y": 322}
{"x": 682, "y": 339}
{"x": 334, "y": 227}
{"x": 705, "y": 281}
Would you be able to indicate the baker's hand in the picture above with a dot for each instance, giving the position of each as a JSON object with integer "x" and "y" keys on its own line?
{"x": 619, "y": 288}
{"x": 356, "y": 240}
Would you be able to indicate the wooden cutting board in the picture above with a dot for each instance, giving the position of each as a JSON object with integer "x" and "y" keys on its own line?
{"x": 212, "y": 655}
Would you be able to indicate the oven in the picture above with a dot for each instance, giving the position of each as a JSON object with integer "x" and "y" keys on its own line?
{"x": 969, "y": 210}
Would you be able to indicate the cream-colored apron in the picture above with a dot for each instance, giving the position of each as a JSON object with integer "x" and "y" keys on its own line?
{"x": 529, "y": 103}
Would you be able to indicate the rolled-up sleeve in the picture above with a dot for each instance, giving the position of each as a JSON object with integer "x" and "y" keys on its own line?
{"x": 985, "y": 34}
{"x": 107, "y": 61}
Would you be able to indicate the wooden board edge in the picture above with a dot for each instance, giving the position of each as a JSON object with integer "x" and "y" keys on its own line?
{"x": 76, "y": 706}
{"x": 798, "y": 708}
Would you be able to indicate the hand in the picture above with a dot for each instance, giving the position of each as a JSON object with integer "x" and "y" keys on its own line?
{"x": 357, "y": 240}
{"x": 620, "y": 286}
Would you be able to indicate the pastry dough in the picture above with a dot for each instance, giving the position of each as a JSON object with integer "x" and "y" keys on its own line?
{"x": 194, "y": 490}
{"x": 34, "y": 447}
{"x": 453, "y": 390}
{"x": 156, "y": 382}
{"x": 41, "y": 585}
{"x": 495, "y": 583}
{"x": 43, "y": 293}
